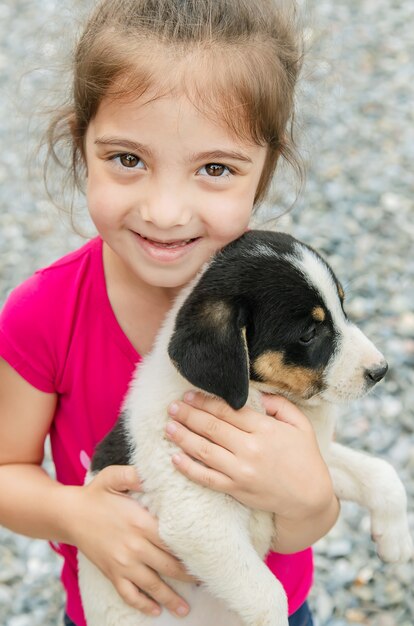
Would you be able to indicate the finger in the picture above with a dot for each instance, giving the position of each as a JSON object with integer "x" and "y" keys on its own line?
{"x": 215, "y": 406}
{"x": 147, "y": 526}
{"x": 152, "y": 585}
{"x": 211, "y": 454}
{"x": 135, "y": 598}
{"x": 285, "y": 411}
{"x": 225, "y": 422}
{"x": 203, "y": 475}
{"x": 157, "y": 554}
{"x": 161, "y": 560}
{"x": 204, "y": 424}
{"x": 119, "y": 478}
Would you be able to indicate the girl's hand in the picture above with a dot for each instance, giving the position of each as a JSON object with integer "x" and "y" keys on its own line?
{"x": 121, "y": 538}
{"x": 270, "y": 462}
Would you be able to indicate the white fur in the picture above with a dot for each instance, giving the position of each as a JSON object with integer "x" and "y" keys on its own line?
{"x": 344, "y": 377}
{"x": 318, "y": 276}
{"x": 221, "y": 541}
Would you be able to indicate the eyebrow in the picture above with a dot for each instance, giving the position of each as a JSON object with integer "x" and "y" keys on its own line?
{"x": 208, "y": 155}
{"x": 124, "y": 143}
{"x": 220, "y": 154}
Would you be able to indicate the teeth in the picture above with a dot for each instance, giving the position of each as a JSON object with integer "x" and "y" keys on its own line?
{"x": 172, "y": 244}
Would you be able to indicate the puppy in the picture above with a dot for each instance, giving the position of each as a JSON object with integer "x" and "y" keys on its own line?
{"x": 266, "y": 314}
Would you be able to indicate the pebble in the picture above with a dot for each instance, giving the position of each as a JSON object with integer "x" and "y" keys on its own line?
{"x": 355, "y": 113}
{"x": 355, "y": 616}
{"x": 339, "y": 547}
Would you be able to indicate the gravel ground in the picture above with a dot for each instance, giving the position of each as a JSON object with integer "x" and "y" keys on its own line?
{"x": 356, "y": 114}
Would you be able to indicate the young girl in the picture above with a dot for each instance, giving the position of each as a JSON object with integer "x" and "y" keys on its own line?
{"x": 178, "y": 118}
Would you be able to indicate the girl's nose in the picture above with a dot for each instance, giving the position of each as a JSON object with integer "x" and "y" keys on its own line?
{"x": 166, "y": 208}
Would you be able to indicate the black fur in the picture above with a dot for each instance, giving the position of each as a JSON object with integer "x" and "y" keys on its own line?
{"x": 267, "y": 296}
{"x": 114, "y": 449}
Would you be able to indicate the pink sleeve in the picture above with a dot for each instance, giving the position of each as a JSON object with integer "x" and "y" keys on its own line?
{"x": 27, "y": 326}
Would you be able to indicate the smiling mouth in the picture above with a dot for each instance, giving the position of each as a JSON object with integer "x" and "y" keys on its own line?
{"x": 177, "y": 243}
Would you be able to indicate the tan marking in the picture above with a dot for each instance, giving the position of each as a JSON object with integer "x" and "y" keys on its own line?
{"x": 217, "y": 313}
{"x": 341, "y": 292}
{"x": 318, "y": 314}
{"x": 243, "y": 332}
{"x": 246, "y": 349}
{"x": 302, "y": 382}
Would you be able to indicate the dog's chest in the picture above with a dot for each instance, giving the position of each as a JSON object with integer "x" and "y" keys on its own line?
{"x": 166, "y": 492}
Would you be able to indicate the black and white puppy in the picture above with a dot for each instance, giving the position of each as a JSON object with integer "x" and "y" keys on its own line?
{"x": 266, "y": 314}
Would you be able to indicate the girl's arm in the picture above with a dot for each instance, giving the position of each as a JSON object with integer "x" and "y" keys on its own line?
{"x": 270, "y": 462}
{"x": 31, "y": 503}
{"x": 114, "y": 532}
{"x": 295, "y": 535}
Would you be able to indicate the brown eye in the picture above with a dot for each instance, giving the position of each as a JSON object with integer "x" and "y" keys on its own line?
{"x": 214, "y": 169}
{"x": 129, "y": 160}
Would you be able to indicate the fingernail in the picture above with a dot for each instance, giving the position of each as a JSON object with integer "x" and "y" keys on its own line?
{"x": 171, "y": 428}
{"x": 182, "y": 610}
{"x": 189, "y": 396}
{"x": 156, "y": 612}
{"x": 176, "y": 458}
{"x": 173, "y": 408}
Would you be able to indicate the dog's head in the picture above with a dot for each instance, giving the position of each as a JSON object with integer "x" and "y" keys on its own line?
{"x": 269, "y": 311}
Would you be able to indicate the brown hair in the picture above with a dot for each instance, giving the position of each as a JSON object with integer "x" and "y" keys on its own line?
{"x": 247, "y": 55}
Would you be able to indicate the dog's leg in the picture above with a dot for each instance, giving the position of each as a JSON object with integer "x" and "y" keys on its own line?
{"x": 374, "y": 484}
{"x": 242, "y": 580}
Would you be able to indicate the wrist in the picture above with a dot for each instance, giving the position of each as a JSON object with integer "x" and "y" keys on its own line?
{"x": 294, "y": 535}
{"x": 328, "y": 514}
{"x": 313, "y": 503}
{"x": 69, "y": 514}
{"x": 322, "y": 517}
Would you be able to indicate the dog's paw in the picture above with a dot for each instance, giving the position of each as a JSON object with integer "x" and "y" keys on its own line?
{"x": 393, "y": 539}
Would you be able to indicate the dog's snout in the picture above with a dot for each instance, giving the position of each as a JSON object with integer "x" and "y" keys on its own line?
{"x": 376, "y": 373}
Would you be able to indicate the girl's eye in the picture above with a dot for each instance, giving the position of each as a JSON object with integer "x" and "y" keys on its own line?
{"x": 308, "y": 337}
{"x": 215, "y": 170}
{"x": 128, "y": 161}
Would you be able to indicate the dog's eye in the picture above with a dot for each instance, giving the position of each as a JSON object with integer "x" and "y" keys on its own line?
{"x": 308, "y": 337}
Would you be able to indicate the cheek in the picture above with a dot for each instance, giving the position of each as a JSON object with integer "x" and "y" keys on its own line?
{"x": 94, "y": 194}
{"x": 229, "y": 218}
{"x": 106, "y": 204}
{"x": 98, "y": 208}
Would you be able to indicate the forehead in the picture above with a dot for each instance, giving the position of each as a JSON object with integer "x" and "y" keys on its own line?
{"x": 201, "y": 76}
{"x": 174, "y": 112}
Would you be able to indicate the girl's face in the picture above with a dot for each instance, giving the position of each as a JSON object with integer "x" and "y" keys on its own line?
{"x": 167, "y": 187}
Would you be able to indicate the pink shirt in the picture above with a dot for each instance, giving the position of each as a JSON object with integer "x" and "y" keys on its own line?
{"x": 59, "y": 332}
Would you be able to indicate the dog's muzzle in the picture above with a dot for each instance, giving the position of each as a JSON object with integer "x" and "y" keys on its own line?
{"x": 376, "y": 373}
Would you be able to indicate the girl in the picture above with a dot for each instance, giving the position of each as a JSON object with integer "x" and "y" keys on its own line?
{"x": 178, "y": 116}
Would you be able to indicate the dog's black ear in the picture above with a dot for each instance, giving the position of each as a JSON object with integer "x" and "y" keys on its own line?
{"x": 208, "y": 348}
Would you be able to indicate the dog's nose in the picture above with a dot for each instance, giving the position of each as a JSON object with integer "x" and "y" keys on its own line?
{"x": 376, "y": 373}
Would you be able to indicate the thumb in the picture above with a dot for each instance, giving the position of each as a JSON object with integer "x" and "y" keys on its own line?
{"x": 120, "y": 478}
{"x": 285, "y": 411}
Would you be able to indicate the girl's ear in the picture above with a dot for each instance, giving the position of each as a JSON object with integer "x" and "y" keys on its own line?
{"x": 208, "y": 348}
